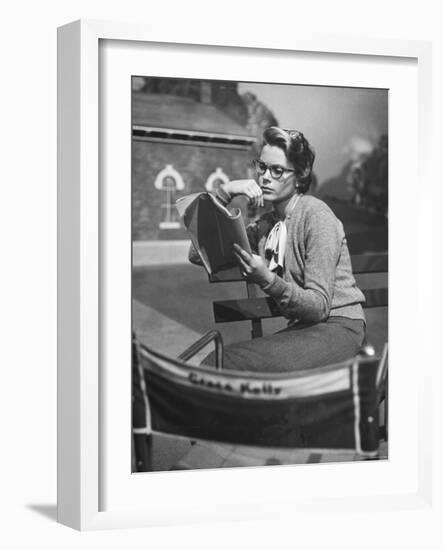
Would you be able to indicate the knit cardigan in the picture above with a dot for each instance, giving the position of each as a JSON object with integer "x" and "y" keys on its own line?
{"x": 317, "y": 280}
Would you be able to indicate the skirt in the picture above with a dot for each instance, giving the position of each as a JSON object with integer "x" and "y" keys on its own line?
{"x": 300, "y": 347}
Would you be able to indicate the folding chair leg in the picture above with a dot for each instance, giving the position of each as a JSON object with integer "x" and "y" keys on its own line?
{"x": 212, "y": 335}
{"x": 386, "y": 411}
{"x": 382, "y": 420}
{"x": 143, "y": 452}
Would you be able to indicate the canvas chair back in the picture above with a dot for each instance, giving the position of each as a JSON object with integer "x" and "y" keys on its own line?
{"x": 330, "y": 407}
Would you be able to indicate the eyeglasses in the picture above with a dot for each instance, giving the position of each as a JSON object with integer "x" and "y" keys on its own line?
{"x": 275, "y": 170}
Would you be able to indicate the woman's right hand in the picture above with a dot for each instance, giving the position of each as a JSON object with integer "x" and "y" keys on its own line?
{"x": 249, "y": 188}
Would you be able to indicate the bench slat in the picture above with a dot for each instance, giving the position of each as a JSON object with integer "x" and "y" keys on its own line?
{"x": 371, "y": 280}
{"x": 369, "y": 263}
{"x": 248, "y": 309}
{"x": 376, "y": 297}
{"x": 245, "y": 309}
{"x": 361, "y": 263}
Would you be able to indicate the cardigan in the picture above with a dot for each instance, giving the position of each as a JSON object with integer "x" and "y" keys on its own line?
{"x": 317, "y": 280}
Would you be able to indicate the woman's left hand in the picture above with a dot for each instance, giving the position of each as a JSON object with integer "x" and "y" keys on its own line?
{"x": 253, "y": 267}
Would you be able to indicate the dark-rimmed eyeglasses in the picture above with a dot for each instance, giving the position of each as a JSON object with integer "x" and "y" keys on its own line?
{"x": 275, "y": 170}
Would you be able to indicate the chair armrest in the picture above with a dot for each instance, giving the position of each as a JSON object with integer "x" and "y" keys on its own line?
{"x": 368, "y": 351}
{"x": 382, "y": 367}
{"x": 212, "y": 335}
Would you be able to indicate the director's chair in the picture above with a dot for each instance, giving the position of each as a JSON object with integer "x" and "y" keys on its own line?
{"x": 332, "y": 408}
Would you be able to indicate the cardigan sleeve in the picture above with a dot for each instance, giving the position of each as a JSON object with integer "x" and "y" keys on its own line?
{"x": 311, "y": 301}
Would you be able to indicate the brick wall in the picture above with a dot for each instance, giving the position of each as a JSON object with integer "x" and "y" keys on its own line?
{"x": 194, "y": 163}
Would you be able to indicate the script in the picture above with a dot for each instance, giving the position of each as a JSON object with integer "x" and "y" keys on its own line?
{"x": 213, "y": 230}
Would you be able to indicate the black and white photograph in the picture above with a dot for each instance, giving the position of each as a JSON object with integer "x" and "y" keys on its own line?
{"x": 259, "y": 274}
{"x": 205, "y": 208}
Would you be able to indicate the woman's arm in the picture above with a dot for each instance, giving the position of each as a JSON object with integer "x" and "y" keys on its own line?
{"x": 249, "y": 188}
{"x": 312, "y": 301}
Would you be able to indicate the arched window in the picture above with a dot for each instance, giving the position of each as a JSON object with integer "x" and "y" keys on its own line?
{"x": 168, "y": 181}
{"x": 215, "y": 179}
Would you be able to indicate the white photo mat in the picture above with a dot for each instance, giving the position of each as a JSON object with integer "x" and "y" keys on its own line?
{"x": 113, "y": 497}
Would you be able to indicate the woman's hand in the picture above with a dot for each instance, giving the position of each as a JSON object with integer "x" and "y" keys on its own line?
{"x": 253, "y": 267}
{"x": 249, "y": 188}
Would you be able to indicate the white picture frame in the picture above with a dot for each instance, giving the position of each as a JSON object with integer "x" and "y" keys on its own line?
{"x": 95, "y": 491}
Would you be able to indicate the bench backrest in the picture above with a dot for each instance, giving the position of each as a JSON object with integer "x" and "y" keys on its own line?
{"x": 370, "y": 272}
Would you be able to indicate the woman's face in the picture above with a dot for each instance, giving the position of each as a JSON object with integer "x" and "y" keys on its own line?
{"x": 283, "y": 188}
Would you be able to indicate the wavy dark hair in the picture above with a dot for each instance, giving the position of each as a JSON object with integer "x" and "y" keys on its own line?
{"x": 298, "y": 151}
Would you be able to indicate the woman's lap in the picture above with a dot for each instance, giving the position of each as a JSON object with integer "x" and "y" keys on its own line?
{"x": 297, "y": 348}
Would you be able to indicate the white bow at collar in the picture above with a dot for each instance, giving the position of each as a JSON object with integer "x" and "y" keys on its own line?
{"x": 275, "y": 245}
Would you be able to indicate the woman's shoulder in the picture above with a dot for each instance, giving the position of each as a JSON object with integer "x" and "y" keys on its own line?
{"x": 311, "y": 205}
{"x": 315, "y": 211}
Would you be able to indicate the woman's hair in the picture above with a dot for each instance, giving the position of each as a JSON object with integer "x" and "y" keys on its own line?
{"x": 298, "y": 151}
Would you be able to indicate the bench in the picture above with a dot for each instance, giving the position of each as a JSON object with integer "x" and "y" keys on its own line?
{"x": 370, "y": 272}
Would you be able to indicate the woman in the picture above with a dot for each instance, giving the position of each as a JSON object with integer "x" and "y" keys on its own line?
{"x": 300, "y": 258}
